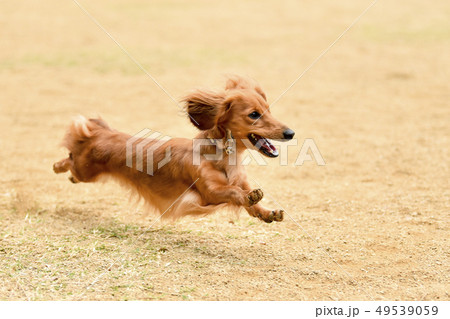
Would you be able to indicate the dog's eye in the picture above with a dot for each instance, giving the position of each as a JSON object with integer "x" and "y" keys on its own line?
{"x": 254, "y": 115}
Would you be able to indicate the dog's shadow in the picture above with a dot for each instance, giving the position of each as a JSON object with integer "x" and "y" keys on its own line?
{"x": 147, "y": 236}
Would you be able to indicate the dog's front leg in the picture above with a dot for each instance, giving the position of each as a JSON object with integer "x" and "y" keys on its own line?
{"x": 262, "y": 213}
{"x": 265, "y": 214}
{"x": 214, "y": 188}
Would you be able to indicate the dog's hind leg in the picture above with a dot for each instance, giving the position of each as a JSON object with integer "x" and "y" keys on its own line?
{"x": 62, "y": 166}
{"x": 73, "y": 179}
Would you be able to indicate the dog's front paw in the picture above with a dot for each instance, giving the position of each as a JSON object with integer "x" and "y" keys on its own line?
{"x": 276, "y": 215}
{"x": 255, "y": 196}
{"x": 273, "y": 216}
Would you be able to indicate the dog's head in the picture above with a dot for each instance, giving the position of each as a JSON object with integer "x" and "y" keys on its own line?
{"x": 241, "y": 108}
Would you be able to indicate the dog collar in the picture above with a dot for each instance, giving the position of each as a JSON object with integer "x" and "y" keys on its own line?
{"x": 228, "y": 143}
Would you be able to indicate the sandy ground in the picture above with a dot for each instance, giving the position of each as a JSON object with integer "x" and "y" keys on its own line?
{"x": 370, "y": 224}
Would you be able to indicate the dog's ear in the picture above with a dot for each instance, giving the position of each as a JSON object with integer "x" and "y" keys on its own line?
{"x": 204, "y": 108}
{"x": 239, "y": 82}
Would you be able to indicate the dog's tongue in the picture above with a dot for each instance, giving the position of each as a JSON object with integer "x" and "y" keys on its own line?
{"x": 263, "y": 143}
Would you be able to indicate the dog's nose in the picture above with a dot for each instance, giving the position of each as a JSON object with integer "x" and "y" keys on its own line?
{"x": 288, "y": 134}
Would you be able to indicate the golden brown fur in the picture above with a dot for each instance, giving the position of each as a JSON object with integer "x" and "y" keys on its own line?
{"x": 181, "y": 188}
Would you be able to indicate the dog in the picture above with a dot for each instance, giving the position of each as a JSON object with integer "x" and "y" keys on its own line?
{"x": 229, "y": 121}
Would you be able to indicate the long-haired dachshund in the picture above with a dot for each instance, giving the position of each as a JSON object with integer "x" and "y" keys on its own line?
{"x": 229, "y": 121}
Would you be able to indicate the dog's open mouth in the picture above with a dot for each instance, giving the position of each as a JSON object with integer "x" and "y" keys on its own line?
{"x": 263, "y": 145}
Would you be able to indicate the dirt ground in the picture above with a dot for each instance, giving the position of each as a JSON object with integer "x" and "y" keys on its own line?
{"x": 370, "y": 224}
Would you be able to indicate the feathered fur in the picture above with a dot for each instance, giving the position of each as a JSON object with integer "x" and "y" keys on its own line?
{"x": 180, "y": 188}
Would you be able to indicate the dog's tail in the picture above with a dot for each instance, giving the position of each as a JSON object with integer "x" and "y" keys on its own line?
{"x": 81, "y": 129}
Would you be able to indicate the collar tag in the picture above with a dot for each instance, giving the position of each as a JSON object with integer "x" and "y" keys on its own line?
{"x": 229, "y": 143}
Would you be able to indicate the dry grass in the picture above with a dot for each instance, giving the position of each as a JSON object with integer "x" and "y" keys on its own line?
{"x": 376, "y": 105}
